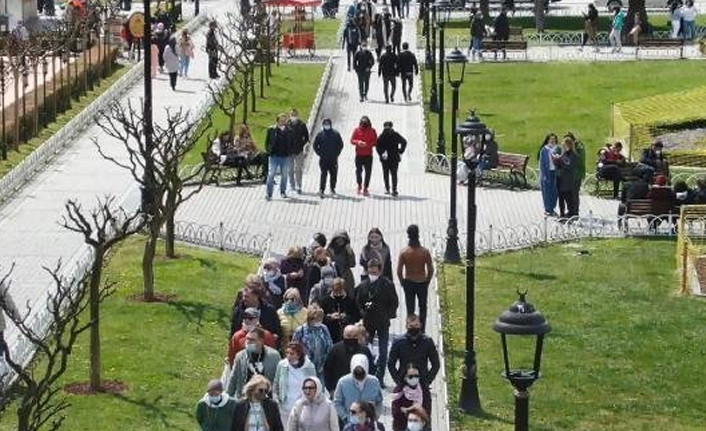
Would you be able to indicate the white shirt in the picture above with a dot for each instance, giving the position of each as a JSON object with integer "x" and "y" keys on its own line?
{"x": 688, "y": 13}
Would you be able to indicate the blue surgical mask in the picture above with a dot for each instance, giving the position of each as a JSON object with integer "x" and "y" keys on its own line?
{"x": 353, "y": 419}
{"x": 215, "y": 399}
{"x": 251, "y": 347}
{"x": 292, "y": 307}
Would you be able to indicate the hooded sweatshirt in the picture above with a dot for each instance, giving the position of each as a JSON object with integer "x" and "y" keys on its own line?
{"x": 316, "y": 415}
{"x": 350, "y": 390}
{"x": 215, "y": 417}
{"x": 343, "y": 258}
{"x": 367, "y": 135}
{"x": 287, "y": 384}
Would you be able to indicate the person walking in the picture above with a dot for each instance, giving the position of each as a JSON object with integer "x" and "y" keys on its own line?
{"x": 171, "y": 62}
{"x": 414, "y": 348}
{"x": 328, "y": 145}
{"x": 256, "y": 359}
{"x": 363, "y": 417}
{"x": 387, "y": 68}
{"x": 313, "y": 411}
{"x": 391, "y": 145}
{"x": 477, "y": 34}
{"x": 377, "y": 301}
{"x": 186, "y": 53}
{"x": 7, "y": 305}
{"x": 343, "y": 257}
{"x": 292, "y": 314}
{"x": 252, "y": 296}
{"x": 278, "y": 145}
{"x": 408, "y": 393}
{"x": 314, "y": 338}
{"x": 590, "y": 31}
{"x": 257, "y": 412}
{"x": 364, "y": 139}
{"x": 688, "y": 14}
{"x": 161, "y": 35}
{"x": 548, "y": 153}
{"x": 214, "y": 412}
{"x": 357, "y": 386}
{"x": 212, "y": 46}
{"x": 675, "y": 18}
{"x": 289, "y": 377}
{"x": 616, "y": 29}
{"x": 407, "y": 67}
{"x": 340, "y": 310}
{"x": 376, "y": 249}
{"x": 396, "y": 38}
{"x": 300, "y": 138}
{"x": 415, "y": 270}
{"x": 363, "y": 62}
{"x": 351, "y": 40}
{"x": 251, "y": 320}
{"x": 339, "y": 358}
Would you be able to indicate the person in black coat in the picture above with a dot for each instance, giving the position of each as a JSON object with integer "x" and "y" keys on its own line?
{"x": 396, "y": 35}
{"x": 390, "y": 147}
{"x": 653, "y": 159}
{"x": 407, "y": 67}
{"x": 352, "y": 38}
{"x": 338, "y": 360}
{"x": 255, "y": 392}
{"x": 383, "y": 31}
{"x": 363, "y": 62}
{"x": 250, "y": 296}
{"x": 416, "y": 348}
{"x": 328, "y": 145}
{"x": 377, "y": 301}
{"x": 212, "y": 50}
{"x": 501, "y": 26}
{"x": 388, "y": 70}
{"x": 340, "y": 310}
{"x": 300, "y": 137}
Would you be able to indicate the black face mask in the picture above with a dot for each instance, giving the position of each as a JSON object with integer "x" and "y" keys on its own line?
{"x": 414, "y": 332}
{"x": 350, "y": 343}
{"x": 359, "y": 374}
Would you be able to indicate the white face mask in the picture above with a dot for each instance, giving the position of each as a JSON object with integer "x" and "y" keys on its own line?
{"x": 270, "y": 273}
{"x": 215, "y": 399}
{"x": 415, "y": 426}
{"x": 294, "y": 119}
{"x": 327, "y": 127}
{"x": 373, "y": 278}
{"x": 412, "y": 381}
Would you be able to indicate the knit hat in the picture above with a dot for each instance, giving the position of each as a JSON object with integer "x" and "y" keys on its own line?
{"x": 214, "y": 385}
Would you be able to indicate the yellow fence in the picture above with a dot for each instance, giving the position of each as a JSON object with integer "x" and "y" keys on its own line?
{"x": 691, "y": 250}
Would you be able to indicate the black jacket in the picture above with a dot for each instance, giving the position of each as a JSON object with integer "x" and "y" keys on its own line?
{"x": 351, "y": 37}
{"x": 272, "y": 415}
{"x": 338, "y": 363}
{"x": 393, "y": 143}
{"x": 477, "y": 27}
{"x": 278, "y": 142}
{"x": 377, "y": 303}
{"x": 502, "y": 27}
{"x": 300, "y": 135}
{"x": 345, "y": 304}
{"x": 388, "y": 65}
{"x": 407, "y": 63}
{"x": 328, "y": 145}
{"x": 651, "y": 158}
{"x": 396, "y": 32}
{"x": 420, "y": 351}
{"x": 211, "y": 43}
{"x": 637, "y": 189}
{"x": 268, "y": 318}
{"x": 363, "y": 61}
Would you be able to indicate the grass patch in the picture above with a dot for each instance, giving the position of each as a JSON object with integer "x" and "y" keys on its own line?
{"x": 326, "y": 31}
{"x": 15, "y": 157}
{"x": 292, "y": 85}
{"x": 523, "y": 102}
{"x": 625, "y": 352}
{"x": 165, "y": 353}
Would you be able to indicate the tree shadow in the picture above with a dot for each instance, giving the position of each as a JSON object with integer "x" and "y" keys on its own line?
{"x": 533, "y": 275}
{"x": 194, "y": 312}
{"x": 155, "y": 410}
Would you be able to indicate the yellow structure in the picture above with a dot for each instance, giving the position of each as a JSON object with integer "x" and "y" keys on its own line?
{"x": 691, "y": 250}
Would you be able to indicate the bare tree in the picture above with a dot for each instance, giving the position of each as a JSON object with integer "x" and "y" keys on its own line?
{"x": 102, "y": 228}
{"x": 39, "y": 407}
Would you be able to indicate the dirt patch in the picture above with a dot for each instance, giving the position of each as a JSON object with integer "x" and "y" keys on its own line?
{"x": 114, "y": 387}
{"x": 688, "y": 139}
{"x": 164, "y": 298}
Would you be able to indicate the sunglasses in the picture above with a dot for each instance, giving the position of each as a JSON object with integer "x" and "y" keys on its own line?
{"x": 412, "y": 375}
{"x": 354, "y": 412}
{"x": 309, "y": 388}
{"x": 261, "y": 390}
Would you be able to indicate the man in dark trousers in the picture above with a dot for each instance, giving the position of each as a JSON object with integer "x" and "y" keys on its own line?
{"x": 390, "y": 147}
{"x": 363, "y": 62}
{"x": 300, "y": 137}
{"x": 407, "y": 66}
{"x": 378, "y": 302}
{"x": 212, "y": 50}
{"x": 351, "y": 40}
{"x": 416, "y": 348}
{"x": 388, "y": 70}
{"x": 278, "y": 144}
{"x": 328, "y": 145}
{"x": 396, "y": 35}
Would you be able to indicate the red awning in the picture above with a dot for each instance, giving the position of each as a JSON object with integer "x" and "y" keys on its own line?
{"x": 293, "y": 3}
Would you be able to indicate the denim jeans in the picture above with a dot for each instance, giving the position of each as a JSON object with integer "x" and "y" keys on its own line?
{"x": 383, "y": 341}
{"x": 689, "y": 30}
{"x": 281, "y": 162}
{"x": 184, "y": 65}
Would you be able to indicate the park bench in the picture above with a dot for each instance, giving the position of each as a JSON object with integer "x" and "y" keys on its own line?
{"x": 604, "y": 187}
{"x": 515, "y": 165}
{"x": 215, "y": 170}
{"x": 649, "y": 44}
{"x": 654, "y": 211}
{"x": 504, "y": 46}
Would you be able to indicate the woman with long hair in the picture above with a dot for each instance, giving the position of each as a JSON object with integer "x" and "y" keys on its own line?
{"x": 376, "y": 248}
{"x": 255, "y": 411}
{"x": 289, "y": 377}
{"x": 548, "y": 154}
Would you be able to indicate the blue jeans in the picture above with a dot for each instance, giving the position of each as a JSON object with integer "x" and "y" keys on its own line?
{"x": 689, "y": 30}
{"x": 184, "y": 65}
{"x": 281, "y": 162}
{"x": 383, "y": 340}
{"x": 477, "y": 45}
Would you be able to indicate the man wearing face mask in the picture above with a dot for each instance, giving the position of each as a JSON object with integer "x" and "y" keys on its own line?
{"x": 324, "y": 286}
{"x": 414, "y": 348}
{"x": 328, "y": 145}
{"x": 278, "y": 145}
{"x": 251, "y": 296}
{"x": 387, "y": 69}
{"x": 250, "y": 322}
{"x": 340, "y": 310}
{"x": 364, "y": 139}
{"x": 357, "y": 386}
{"x": 391, "y": 146}
{"x": 215, "y": 410}
{"x": 300, "y": 138}
{"x": 377, "y": 301}
{"x": 653, "y": 160}
{"x": 363, "y": 62}
{"x": 256, "y": 359}
{"x": 338, "y": 360}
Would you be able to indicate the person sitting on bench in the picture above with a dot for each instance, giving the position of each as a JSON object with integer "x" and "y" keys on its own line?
{"x": 637, "y": 189}
{"x": 653, "y": 159}
{"x": 247, "y": 154}
{"x": 610, "y": 159}
{"x": 221, "y": 150}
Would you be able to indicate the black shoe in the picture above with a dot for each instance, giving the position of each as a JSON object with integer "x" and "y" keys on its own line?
{"x": 361, "y": 98}
{"x": 393, "y": 99}
{"x": 395, "y": 194}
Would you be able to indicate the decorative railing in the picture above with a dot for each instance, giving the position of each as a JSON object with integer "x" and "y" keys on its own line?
{"x": 441, "y": 164}
{"x": 218, "y": 237}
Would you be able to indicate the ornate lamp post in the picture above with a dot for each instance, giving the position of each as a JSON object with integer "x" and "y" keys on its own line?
{"x": 433, "y": 97}
{"x": 523, "y": 320}
{"x": 443, "y": 12}
{"x": 456, "y": 71}
{"x": 473, "y": 133}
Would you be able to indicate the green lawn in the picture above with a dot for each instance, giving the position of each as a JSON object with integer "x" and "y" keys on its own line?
{"x": 292, "y": 85}
{"x": 14, "y": 157}
{"x": 625, "y": 353}
{"x": 165, "y": 353}
{"x": 525, "y": 101}
{"x": 327, "y": 33}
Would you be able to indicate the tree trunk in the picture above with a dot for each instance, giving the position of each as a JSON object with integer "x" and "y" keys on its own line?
{"x": 170, "y": 212}
{"x": 23, "y": 414}
{"x": 245, "y": 101}
{"x": 635, "y": 7}
{"x": 232, "y": 118}
{"x": 539, "y": 12}
{"x": 94, "y": 299}
{"x": 485, "y": 8}
{"x": 252, "y": 89}
{"x": 16, "y": 142}
{"x": 148, "y": 259}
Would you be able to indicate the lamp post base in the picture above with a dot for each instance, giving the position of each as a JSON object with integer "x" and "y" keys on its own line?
{"x": 433, "y": 100}
{"x": 521, "y": 410}
{"x": 469, "y": 400}
{"x": 452, "y": 254}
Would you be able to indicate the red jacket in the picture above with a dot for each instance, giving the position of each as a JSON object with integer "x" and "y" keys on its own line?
{"x": 367, "y": 135}
{"x": 237, "y": 343}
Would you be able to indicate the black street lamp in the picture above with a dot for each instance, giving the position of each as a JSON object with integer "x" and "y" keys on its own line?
{"x": 148, "y": 192}
{"x": 426, "y": 29}
{"x": 443, "y": 13}
{"x": 456, "y": 71}
{"x": 522, "y": 319}
{"x": 433, "y": 99}
{"x": 473, "y": 133}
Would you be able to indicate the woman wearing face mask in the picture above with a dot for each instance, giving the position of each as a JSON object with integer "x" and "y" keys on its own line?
{"x": 292, "y": 314}
{"x": 362, "y": 418}
{"x": 364, "y": 139}
{"x": 316, "y": 241}
{"x": 292, "y": 267}
{"x": 215, "y": 410}
{"x": 256, "y": 412}
{"x": 319, "y": 261}
{"x": 313, "y": 411}
{"x": 323, "y": 288}
{"x": 343, "y": 257}
{"x": 290, "y": 375}
{"x": 315, "y": 338}
{"x": 417, "y": 419}
{"x": 376, "y": 248}
{"x": 340, "y": 310}
{"x": 274, "y": 281}
{"x": 408, "y": 394}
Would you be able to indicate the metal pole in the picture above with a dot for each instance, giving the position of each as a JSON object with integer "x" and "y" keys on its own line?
{"x": 452, "y": 253}
{"x": 521, "y": 410}
{"x": 428, "y": 61}
{"x": 441, "y": 143}
{"x": 470, "y": 400}
{"x": 148, "y": 195}
{"x": 433, "y": 100}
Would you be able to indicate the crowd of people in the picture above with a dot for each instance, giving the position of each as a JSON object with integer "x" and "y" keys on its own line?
{"x": 308, "y": 346}
{"x": 562, "y": 169}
